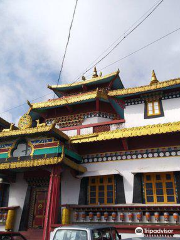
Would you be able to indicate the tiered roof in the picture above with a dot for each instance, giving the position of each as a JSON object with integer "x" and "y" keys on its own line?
{"x": 111, "y": 81}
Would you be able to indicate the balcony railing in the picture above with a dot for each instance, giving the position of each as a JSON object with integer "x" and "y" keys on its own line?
{"x": 94, "y": 128}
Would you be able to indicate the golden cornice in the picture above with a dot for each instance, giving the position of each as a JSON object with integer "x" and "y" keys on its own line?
{"x": 31, "y": 131}
{"x": 31, "y": 163}
{"x": 43, "y": 162}
{"x": 145, "y": 88}
{"x": 27, "y": 131}
{"x": 128, "y": 132}
{"x": 83, "y": 82}
{"x": 72, "y": 99}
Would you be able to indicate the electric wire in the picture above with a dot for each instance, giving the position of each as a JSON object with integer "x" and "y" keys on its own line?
{"x": 69, "y": 35}
{"x": 118, "y": 38}
{"x": 138, "y": 50}
{"x": 125, "y": 36}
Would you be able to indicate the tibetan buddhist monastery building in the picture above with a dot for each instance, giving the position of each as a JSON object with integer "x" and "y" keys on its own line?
{"x": 98, "y": 153}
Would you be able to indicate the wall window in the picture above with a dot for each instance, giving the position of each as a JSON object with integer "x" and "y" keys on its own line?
{"x": 153, "y": 108}
{"x": 159, "y": 188}
{"x": 101, "y": 190}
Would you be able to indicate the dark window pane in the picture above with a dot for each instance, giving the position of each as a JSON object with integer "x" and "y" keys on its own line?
{"x": 110, "y": 187}
{"x": 101, "y": 200}
{"x": 101, "y": 180}
{"x": 170, "y": 191}
{"x": 92, "y": 194}
{"x": 168, "y": 176}
{"x": 149, "y": 192}
{"x": 110, "y": 194}
{"x": 148, "y": 177}
{"x": 159, "y": 185}
{"x": 93, "y": 180}
{"x": 158, "y": 177}
{"x": 92, "y": 188}
{"x": 150, "y": 199}
{"x": 170, "y": 198}
{"x": 101, "y": 188}
{"x": 92, "y": 200}
{"x": 148, "y": 185}
{"x": 109, "y": 179}
{"x": 160, "y": 199}
{"x": 101, "y": 194}
{"x": 110, "y": 200}
{"x": 159, "y": 191}
{"x": 169, "y": 185}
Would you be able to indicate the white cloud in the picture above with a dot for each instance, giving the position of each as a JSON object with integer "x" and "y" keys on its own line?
{"x": 34, "y": 33}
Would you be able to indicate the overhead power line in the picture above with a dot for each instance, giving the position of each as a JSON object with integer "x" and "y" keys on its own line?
{"x": 138, "y": 50}
{"x": 69, "y": 35}
{"x": 119, "y": 38}
{"x": 125, "y": 35}
{"x": 130, "y": 54}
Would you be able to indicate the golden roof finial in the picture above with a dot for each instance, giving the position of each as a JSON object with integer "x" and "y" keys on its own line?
{"x": 153, "y": 78}
{"x": 95, "y": 73}
{"x": 83, "y": 78}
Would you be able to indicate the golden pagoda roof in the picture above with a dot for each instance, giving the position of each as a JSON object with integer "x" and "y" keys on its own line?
{"x": 31, "y": 131}
{"x": 93, "y": 79}
{"x": 128, "y": 132}
{"x": 71, "y": 99}
{"x": 145, "y": 88}
{"x": 65, "y": 100}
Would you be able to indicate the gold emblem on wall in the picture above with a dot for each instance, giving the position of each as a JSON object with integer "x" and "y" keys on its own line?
{"x": 25, "y": 122}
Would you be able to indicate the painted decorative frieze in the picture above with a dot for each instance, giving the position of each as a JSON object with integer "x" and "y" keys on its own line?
{"x": 134, "y": 154}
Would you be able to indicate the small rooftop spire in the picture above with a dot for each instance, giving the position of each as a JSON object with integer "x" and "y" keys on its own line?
{"x": 95, "y": 73}
{"x": 153, "y": 78}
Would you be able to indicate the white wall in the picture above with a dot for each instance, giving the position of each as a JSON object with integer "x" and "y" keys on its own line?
{"x": 95, "y": 120}
{"x": 128, "y": 167}
{"x": 17, "y": 195}
{"x": 70, "y": 187}
{"x": 134, "y": 114}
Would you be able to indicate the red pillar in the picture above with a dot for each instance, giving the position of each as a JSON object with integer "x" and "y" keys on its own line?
{"x": 52, "y": 200}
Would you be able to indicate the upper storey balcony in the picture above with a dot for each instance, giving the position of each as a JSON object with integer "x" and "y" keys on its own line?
{"x": 87, "y": 123}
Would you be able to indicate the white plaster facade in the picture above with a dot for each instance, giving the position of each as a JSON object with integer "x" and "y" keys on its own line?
{"x": 70, "y": 187}
{"x": 134, "y": 114}
{"x": 17, "y": 193}
{"x": 127, "y": 168}
{"x": 95, "y": 120}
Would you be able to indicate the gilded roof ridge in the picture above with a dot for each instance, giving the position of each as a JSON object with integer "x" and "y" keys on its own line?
{"x": 71, "y": 99}
{"x": 143, "y": 88}
{"x": 84, "y": 82}
{"x": 102, "y": 94}
{"x": 33, "y": 130}
{"x": 128, "y": 132}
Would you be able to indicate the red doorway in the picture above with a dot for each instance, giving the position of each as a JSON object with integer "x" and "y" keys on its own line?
{"x": 38, "y": 207}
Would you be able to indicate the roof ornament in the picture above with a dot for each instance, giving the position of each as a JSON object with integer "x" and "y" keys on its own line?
{"x": 153, "y": 79}
{"x": 10, "y": 129}
{"x": 100, "y": 74}
{"x": 28, "y": 102}
{"x": 83, "y": 78}
{"x": 40, "y": 124}
{"x": 25, "y": 122}
{"x": 95, "y": 73}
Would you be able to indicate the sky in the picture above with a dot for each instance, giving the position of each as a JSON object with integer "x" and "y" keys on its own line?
{"x": 33, "y": 35}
